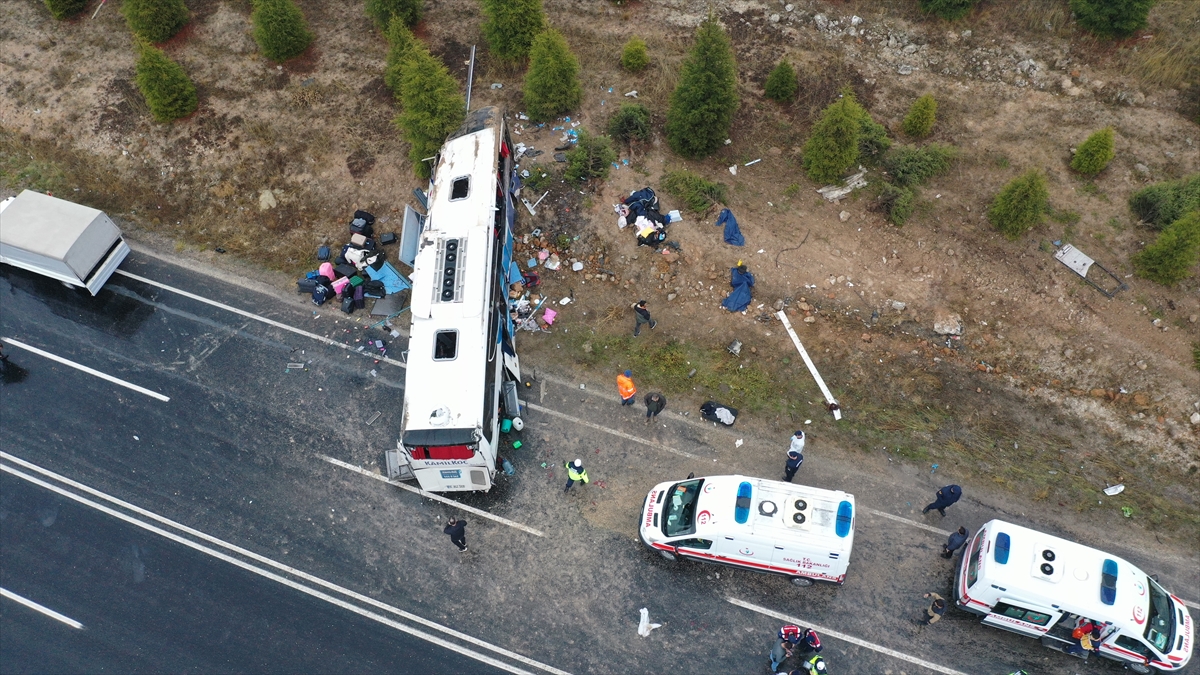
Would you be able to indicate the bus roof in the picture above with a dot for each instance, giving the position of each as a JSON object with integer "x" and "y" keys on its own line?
{"x": 769, "y": 510}
{"x": 1076, "y": 579}
{"x": 456, "y": 384}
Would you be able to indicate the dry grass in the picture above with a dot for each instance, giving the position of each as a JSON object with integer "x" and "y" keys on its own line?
{"x": 1171, "y": 57}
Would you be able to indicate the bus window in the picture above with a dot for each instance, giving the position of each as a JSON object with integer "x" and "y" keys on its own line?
{"x": 445, "y": 345}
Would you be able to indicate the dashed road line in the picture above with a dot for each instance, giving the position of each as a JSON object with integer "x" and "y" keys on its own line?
{"x": 437, "y": 498}
{"x": 251, "y": 315}
{"x": 614, "y": 432}
{"x": 89, "y": 371}
{"x": 4, "y": 592}
{"x": 846, "y": 638}
{"x": 315, "y": 580}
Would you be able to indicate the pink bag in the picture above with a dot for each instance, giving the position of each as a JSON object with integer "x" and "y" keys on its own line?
{"x": 340, "y": 284}
{"x": 326, "y": 270}
{"x": 549, "y": 316}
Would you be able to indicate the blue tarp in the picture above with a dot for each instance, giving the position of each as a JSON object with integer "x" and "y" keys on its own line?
{"x": 733, "y": 234}
{"x": 739, "y": 298}
{"x": 392, "y": 280}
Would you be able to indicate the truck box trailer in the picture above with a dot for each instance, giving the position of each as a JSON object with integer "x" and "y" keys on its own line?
{"x": 76, "y": 244}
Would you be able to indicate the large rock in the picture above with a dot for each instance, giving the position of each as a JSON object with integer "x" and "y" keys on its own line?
{"x": 947, "y": 323}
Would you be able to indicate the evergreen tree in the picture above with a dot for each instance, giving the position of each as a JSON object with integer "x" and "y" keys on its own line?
{"x": 1020, "y": 205}
{"x": 400, "y": 43}
{"x": 592, "y": 157}
{"x": 1173, "y": 254}
{"x": 433, "y": 106}
{"x": 1112, "y": 18}
{"x": 65, "y": 9}
{"x": 510, "y": 26}
{"x": 168, "y": 91}
{"x": 833, "y": 146}
{"x": 705, "y": 99}
{"x": 1096, "y": 152}
{"x": 918, "y": 123}
{"x": 154, "y": 20}
{"x": 630, "y": 122}
{"x": 634, "y": 56}
{"x": 280, "y": 29}
{"x": 951, "y": 10}
{"x": 382, "y": 11}
{"x": 781, "y": 85}
{"x": 552, "y": 83}
{"x": 1161, "y": 204}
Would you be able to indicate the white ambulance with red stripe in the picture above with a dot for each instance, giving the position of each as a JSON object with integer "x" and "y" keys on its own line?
{"x": 1045, "y": 587}
{"x": 804, "y": 533}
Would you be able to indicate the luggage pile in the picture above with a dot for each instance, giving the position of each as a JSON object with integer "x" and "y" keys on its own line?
{"x": 348, "y": 276}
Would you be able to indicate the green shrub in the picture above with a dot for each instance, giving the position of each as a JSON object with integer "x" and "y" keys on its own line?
{"x": 1173, "y": 254}
{"x": 705, "y": 99}
{"x": 919, "y": 121}
{"x": 694, "y": 191}
{"x": 1020, "y": 205}
{"x": 631, "y": 122}
{"x": 911, "y": 166}
{"x": 509, "y": 26}
{"x": 832, "y": 148}
{"x": 896, "y": 202}
{"x": 65, "y": 9}
{"x": 872, "y": 139}
{"x": 1112, "y": 18}
{"x": 279, "y": 29}
{"x": 1163, "y": 203}
{"x": 400, "y": 42}
{"x": 781, "y": 85}
{"x": 432, "y": 104}
{"x": 951, "y": 10}
{"x": 154, "y": 20}
{"x": 539, "y": 177}
{"x": 1096, "y": 152}
{"x": 382, "y": 11}
{"x": 634, "y": 56}
{"x": 552, "y": 82}
{"x": 168, "y": 91}
{"x": 592, "y": 157}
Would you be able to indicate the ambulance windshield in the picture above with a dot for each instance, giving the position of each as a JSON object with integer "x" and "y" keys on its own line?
{"x": 1160, "y": 628}
{"x": 681, "y": 508}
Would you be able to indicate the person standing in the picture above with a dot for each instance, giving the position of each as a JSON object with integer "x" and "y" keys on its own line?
{"x": 457, "y": 529}
{"x": 816, "y": 665}
{"x": 626, "y": 388}
{"x": 781, "y": 648}
{"x": 655, "y": 403}
{"x": 947, "y": 496}
{"x": 955, "y": 542}
{"x": 641, "y": 315}
{"x": 936, "y": 609}
{"x": 810, "y": 643}
{"x": 798, "y": 441}
{"x": 575, "y": 473}
{"x": 794, "y": 460}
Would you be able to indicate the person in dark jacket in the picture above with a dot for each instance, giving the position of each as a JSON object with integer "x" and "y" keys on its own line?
{"x": 936, "y": 609}
{"x": 955, "y": 542}
{"x": 457, "y": 529}
{"x": 794, "y": 460}
{"x": 655, "y": 403}
{"x": 641, "y": 315}
{"x": 947, "y": 496}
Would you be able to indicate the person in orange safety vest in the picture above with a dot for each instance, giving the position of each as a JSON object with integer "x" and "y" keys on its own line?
{"x": 626, "y": 388}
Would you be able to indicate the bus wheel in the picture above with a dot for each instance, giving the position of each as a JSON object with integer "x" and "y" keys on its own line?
{"x": 802, "y": 581}
{"x": 1138, "y": 668}
{"x": 668, "y": 555}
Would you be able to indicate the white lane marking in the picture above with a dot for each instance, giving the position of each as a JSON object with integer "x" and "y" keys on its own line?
{"x": 263, "y": 319}
{"x": 89, "y": 371}
{"x": 906, "y": 521}
{"x": 40, "y": 608}
{"x": 272, "y": 563}
{"x": 429, "y": 495}
{"x": 846, "y": 638}
{"x": 614, "y": 432}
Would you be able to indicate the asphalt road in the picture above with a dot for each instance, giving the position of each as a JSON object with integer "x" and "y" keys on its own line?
{"x": 237, "y": 453}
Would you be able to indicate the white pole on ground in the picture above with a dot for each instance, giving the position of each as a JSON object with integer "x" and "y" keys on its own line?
{"x": 837, "y": 413}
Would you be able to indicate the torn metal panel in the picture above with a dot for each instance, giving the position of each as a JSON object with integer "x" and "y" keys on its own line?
{"x": 1081, "y": 263}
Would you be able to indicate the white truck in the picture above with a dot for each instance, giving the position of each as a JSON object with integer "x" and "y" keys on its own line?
{"x": 78, "y": 245}
{"x": 803, "y": 533}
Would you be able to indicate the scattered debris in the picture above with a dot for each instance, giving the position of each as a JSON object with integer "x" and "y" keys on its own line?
{"x": 644, "y": 625}
{"x": 835, "y": 193}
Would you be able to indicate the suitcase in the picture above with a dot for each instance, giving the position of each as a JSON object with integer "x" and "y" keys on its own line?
{"x": 306, "y": 285}
{"x": 370, "y": 219}
{"x": 356, "y": 280}
{"x": 360, "y": 301}
{"x": 346, "y": 270}
{"x": 358, "y": 240}
{"x": 374, "y": 288}
{"x": 348, "y": 305}
{"x": 323, "y": 253}
{"x": 387, "y": 238}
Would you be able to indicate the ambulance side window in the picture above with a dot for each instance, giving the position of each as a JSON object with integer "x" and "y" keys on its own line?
{"x": 1133, "y": 645}
{"x": 1021, "y": 614}
{"x": 695, "y": 543}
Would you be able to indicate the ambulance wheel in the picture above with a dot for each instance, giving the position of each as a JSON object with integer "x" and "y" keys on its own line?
{"x": 802, "y": 581}
{"x": 1138, "y": 668}
{"x": 668, "y": 555}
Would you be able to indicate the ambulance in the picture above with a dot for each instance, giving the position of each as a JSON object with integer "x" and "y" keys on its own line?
{"x": 1042, "y": 586}
{"x": 803, "y": 533}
